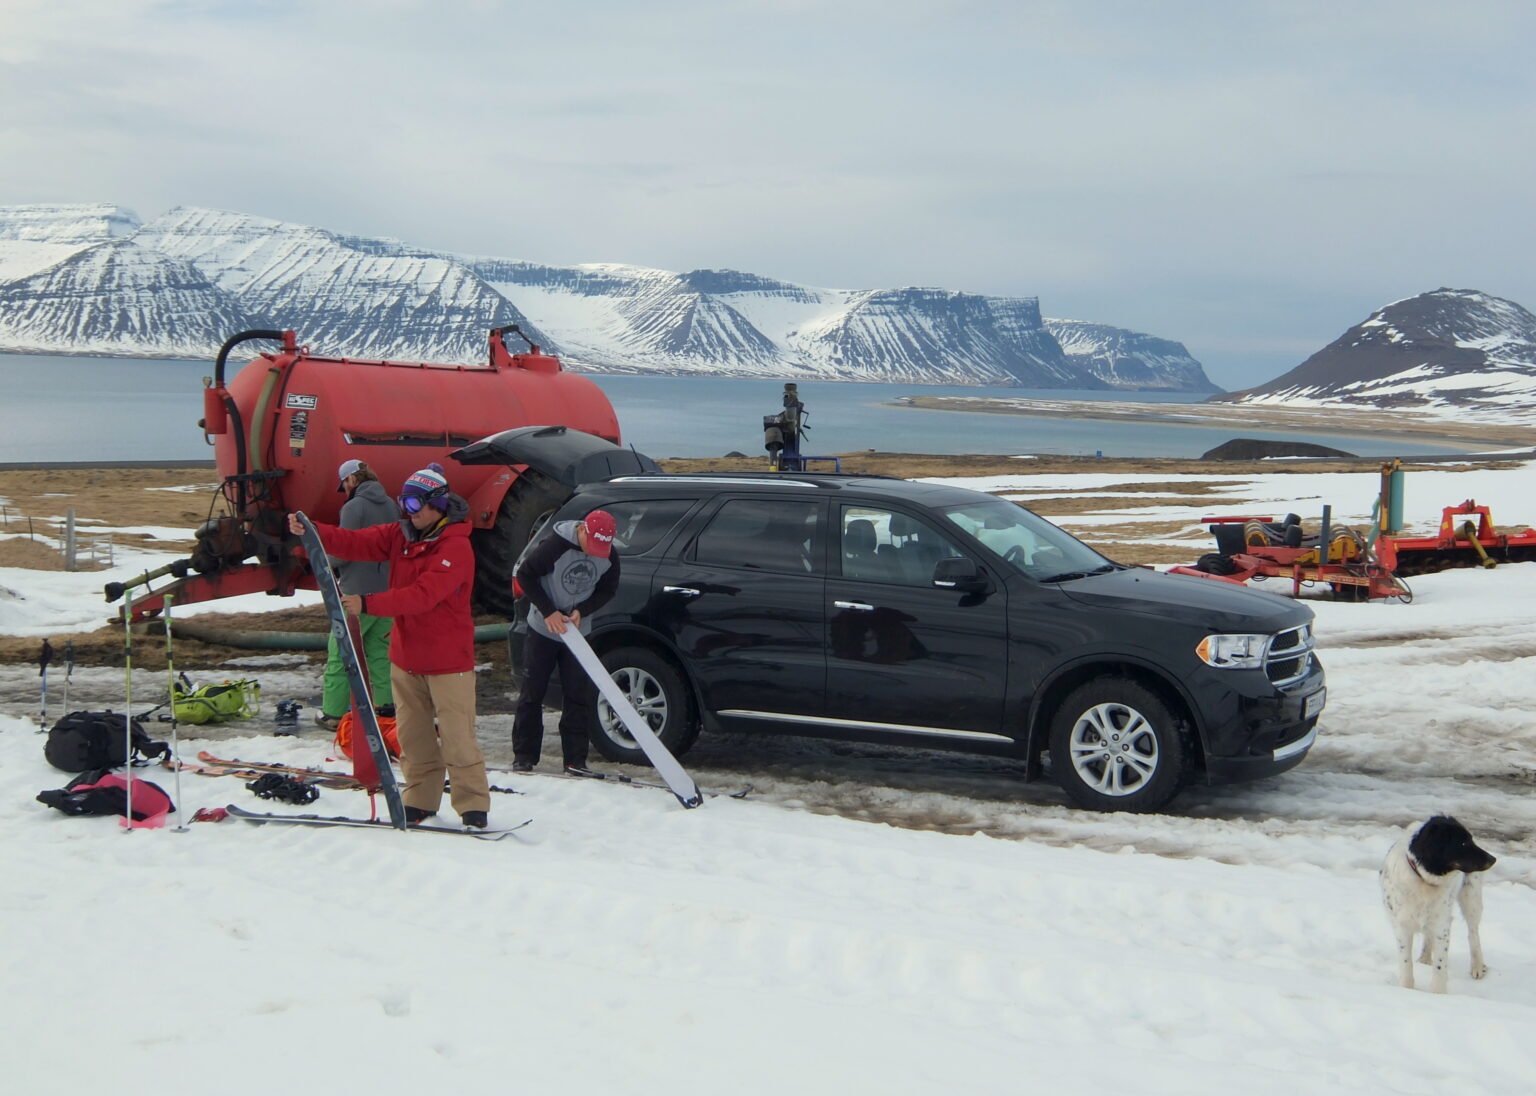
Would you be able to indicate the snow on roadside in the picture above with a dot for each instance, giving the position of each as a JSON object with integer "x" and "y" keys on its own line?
{"x": 1508, "y": 492}
{"x": 627, "y": 943}
{"x": 52, "y": 603}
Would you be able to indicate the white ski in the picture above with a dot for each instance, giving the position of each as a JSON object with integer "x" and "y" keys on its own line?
{"x": 661, "y": 758}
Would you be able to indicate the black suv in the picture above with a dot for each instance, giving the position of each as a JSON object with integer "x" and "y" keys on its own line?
{"x": 884, "y": 610}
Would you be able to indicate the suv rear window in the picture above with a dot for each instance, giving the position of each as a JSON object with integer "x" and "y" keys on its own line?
{"x": 644, "y": 523}
{"x": 760, "y": 534}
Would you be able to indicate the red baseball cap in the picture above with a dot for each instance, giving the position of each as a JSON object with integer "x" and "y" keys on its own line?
{"x": 600, "y": 527}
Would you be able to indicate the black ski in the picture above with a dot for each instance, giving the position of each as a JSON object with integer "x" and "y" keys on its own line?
{"x": 211, "y": 765}
{"x": 368, "y": 824}
{"x": 362, "y": 701}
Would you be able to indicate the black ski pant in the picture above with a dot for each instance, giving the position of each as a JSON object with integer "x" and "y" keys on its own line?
{"x": 541, "y": 656}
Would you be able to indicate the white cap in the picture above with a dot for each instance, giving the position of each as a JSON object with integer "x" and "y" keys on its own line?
{"x": 348, "y": 468}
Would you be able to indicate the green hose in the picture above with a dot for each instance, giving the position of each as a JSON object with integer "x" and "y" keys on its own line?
{"x": 289, "y": 641}
{"x": 258, "y": 420}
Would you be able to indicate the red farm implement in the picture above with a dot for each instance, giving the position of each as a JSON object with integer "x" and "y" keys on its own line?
{"x": 1355, "y": 566}
{"x": 281, "y": 426}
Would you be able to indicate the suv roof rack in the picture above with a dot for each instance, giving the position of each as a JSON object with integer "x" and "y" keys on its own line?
{"x": 823, "y": 480}
{"x": 751, "y": 479}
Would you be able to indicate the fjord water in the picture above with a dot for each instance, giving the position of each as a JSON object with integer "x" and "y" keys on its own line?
{"x": 121, "y": 409}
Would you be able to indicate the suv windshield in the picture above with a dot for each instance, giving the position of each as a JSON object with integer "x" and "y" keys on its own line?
{"x": 1028, "y": 542}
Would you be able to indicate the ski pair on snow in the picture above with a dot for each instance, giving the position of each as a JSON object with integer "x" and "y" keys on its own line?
{"x": 493, "y": 834}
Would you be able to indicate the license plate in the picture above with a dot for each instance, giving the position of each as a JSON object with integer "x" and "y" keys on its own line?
{"x": 1314, "y": 704}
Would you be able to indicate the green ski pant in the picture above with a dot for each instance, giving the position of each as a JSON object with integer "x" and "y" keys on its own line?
{"x": 336, "y": 699}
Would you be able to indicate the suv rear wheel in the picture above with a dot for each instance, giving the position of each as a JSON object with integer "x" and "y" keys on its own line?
{"x": 1116, "y": 746}
{"x": 658, "y": 693}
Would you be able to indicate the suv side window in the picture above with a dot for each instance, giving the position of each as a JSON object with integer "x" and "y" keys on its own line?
{"x": 762, "y": 535}
{"x": 642, "y": 524}
{"x": 885, "y": 546}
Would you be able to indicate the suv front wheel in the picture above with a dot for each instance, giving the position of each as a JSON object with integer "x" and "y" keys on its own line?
{"x": 657, "y": 692}
{"x": 1116, "y": 746}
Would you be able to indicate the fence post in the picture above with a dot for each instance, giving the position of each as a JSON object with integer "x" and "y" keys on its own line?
{"x": 69, "y": 540}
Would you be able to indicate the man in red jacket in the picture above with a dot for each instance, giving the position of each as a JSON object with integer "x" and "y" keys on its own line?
{"x": 432, "y": 649}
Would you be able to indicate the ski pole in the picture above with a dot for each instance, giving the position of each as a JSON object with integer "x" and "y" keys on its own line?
{"x": 69, "y": 670}
{"x": 128, "y": 711}
{"x": 170, "y": 674}
{"x": 42, "y": 673}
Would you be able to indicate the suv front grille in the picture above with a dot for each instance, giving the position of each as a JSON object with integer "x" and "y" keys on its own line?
{"x": 1289, "y": 657}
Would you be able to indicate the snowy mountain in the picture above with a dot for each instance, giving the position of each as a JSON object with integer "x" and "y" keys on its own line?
{"x": 219, "y": 272}
{"x": 1129, "y": 359}
{"x": 343, "y": 295}
{"x": 117, "y": 298}
{"x": 1450, "y": 351}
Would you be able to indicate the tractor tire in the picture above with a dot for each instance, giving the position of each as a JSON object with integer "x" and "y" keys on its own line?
{"x": 527, "y": 508}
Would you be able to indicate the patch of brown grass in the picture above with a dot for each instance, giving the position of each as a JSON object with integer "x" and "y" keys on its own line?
{"x": 34, "y": 555}
{"x": 113, "y": 497}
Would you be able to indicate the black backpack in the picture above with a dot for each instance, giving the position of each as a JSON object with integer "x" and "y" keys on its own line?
{"x": 84, "y": 741}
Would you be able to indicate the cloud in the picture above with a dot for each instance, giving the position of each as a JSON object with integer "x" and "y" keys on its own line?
{"x": 1238, "y": 174}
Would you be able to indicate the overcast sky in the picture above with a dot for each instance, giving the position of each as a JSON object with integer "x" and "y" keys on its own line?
{"x": 1249, "y": 178}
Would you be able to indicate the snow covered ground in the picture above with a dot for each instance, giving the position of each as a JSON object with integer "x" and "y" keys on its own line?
{"x": 866, "y": 920}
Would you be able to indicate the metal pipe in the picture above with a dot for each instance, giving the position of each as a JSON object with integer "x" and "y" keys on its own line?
{"x": 1469, "y": 531}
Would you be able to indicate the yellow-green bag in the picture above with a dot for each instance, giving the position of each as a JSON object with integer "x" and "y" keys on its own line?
{"x": 221, "y": 703}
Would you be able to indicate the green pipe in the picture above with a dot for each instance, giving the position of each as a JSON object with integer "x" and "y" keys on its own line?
{"x": 289, "y": 641}
{"x": 258, "y": 420}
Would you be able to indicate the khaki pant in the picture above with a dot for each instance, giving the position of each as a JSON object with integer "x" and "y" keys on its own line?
{"x": 428, "y": 752}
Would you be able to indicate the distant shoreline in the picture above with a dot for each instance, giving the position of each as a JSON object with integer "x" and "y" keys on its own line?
{"x": 1442, "y": 433}
{"x": 67, "y": 465}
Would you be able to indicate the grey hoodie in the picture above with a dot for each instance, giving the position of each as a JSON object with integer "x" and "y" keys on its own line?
{"x": 369, "y": 505}
{"x": 556, "y": 574}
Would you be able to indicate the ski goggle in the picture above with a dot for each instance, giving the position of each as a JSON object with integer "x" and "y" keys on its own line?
{"x": 412, "y": 504}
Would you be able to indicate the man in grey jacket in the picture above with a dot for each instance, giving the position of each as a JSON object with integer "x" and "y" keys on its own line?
{"x": 367, "y": 504}
{"x": 566, "y": 576}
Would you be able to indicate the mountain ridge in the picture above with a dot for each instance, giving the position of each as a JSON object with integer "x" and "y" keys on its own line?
{"x": 382, "y": 298}
{"x": 1447, "y": 352}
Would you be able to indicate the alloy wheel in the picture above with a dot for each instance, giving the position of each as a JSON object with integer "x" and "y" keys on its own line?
{"x": 1114, "y": 749}
{"x": 643, "y": 691}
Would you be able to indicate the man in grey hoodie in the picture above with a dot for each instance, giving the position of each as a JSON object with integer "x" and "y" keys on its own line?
{"x": 567, "y": 576}
{"x": 367, "y": 504}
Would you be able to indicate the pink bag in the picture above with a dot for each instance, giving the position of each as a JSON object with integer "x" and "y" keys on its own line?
{"x": 106, "y": 792}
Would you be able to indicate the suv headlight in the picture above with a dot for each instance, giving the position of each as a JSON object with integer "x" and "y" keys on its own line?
{"x": 1234, "y": 652}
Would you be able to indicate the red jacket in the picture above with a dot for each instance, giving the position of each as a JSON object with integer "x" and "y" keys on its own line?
{"x": 429, "y": 586}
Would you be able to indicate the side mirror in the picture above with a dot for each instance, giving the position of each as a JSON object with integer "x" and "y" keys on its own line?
{"x": 959, "y": 573}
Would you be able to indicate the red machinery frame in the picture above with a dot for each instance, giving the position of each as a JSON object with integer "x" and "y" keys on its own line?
{"x": 1379, "y": 573}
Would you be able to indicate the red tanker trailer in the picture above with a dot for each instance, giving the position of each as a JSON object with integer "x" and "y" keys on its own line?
{"x": 284, "y": 423}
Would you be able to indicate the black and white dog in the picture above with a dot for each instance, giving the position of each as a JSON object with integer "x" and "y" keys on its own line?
{"x": 1425, "y": 875}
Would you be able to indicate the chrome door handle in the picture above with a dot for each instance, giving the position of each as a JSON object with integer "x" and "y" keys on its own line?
{"x": 859, "y": 605}
{"x": 685, "y": 591}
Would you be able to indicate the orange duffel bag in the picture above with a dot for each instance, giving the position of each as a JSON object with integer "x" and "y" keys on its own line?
{"x": 348, "y": 731}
